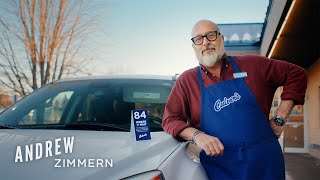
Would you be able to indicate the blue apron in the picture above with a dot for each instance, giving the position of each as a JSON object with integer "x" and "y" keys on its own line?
{"x": 230, "y": 112}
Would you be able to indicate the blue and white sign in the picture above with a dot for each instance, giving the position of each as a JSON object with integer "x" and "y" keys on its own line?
{"x": 141, "y": 124}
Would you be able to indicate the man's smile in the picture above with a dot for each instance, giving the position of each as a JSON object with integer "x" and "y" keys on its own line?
{"x": 208, "y": 50}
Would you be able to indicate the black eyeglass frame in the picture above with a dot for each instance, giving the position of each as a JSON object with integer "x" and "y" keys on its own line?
{"x": 206, "y": 35}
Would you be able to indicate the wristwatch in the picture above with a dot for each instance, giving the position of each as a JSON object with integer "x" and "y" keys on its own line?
{"x": 195, "y": 134}
{"x": 279, "y": 120}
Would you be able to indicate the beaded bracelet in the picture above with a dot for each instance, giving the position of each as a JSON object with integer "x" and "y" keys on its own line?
{"x": 195, "y": 134}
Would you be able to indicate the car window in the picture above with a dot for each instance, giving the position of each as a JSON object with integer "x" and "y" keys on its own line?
{"x": 102, "y": 102}
{"x": 52, "y": 107}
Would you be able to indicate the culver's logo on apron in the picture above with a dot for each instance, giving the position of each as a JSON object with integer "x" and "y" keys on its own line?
{"x": 218, "y": 105}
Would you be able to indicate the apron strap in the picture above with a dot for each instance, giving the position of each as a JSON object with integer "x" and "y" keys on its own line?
{"x": 202, "y": 98}
{"x": 235, "y": 67}
{"x": 200, "y": 79}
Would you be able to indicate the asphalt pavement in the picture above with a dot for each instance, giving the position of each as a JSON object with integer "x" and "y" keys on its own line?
{"x": 302, "y": 166}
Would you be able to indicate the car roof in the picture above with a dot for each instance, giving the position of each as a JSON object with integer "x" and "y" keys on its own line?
{"x": 155, "y": 77}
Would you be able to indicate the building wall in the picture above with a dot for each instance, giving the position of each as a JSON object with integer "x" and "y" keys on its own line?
{"x": 312, "y": 108}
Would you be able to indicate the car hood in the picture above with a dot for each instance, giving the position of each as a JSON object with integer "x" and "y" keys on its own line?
{"x": 127, "y": 156}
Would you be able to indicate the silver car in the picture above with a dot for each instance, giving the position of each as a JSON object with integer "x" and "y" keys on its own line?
{"x": 82, "y": 129}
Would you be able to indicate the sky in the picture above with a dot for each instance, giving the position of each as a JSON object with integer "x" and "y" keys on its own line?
{"x": 153, "y": 36}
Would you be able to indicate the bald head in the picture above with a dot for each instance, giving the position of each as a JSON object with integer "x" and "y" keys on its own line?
{"x": 203, "y": 26}
{"x": 209, "y": 45}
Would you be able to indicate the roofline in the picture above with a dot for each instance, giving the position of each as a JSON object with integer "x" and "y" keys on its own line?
{"x": 282, "y": 18}
{"x": 266, "y": 18}
{"x": 275, "y": 16}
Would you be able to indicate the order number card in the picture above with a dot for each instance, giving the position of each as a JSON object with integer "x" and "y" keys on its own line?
{"x": 141, "y": 124}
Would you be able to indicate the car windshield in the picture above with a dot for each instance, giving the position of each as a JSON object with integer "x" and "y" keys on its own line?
{"x": 99, "y": 104}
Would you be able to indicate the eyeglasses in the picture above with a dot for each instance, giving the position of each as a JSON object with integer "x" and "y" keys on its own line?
{"x": 211, "y": 36}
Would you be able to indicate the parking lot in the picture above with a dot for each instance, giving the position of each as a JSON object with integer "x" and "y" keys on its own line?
{"x": 301, "y": 166}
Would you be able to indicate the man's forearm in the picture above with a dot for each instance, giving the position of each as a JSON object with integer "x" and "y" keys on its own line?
{"x": 285, "y": 108}
{"x": 187, "y": 133}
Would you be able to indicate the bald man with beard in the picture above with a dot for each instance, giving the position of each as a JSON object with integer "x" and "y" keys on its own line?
{"x": 223, "y": 105}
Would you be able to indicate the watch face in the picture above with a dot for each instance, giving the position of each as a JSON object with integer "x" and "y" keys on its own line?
{"x": 278, "y": 121}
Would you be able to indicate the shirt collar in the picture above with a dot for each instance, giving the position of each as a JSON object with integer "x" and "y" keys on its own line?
{"x": 225, "y": 61}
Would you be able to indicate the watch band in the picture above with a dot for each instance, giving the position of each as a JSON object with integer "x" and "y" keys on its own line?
{"x": 195, "y": 134}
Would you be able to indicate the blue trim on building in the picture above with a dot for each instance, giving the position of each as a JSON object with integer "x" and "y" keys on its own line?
{"x": 232, "y": 48}
{"x": 242, "y": 34}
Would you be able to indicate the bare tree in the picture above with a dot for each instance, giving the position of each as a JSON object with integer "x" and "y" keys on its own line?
{"x": 41, "y": 41}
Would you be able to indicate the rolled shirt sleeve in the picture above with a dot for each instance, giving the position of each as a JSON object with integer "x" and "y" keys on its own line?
{"x": 293, "y": 78}
{"x": 175, "y": 114}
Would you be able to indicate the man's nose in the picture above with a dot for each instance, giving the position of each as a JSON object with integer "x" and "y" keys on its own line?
{"x": 205, "y": 41}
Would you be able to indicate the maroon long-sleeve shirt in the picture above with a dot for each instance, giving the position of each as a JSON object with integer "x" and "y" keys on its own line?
{"x": 264, "y": 77}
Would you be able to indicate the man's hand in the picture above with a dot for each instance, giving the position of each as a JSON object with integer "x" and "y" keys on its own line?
{"x": 211, "y": 145}
{"x": 277, "y": 130}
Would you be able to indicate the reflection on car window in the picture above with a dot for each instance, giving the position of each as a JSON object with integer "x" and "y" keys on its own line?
{"x": 48, "y": 112}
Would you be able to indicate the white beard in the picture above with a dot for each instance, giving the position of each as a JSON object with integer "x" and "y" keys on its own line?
{"x": 212, "y": 58}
